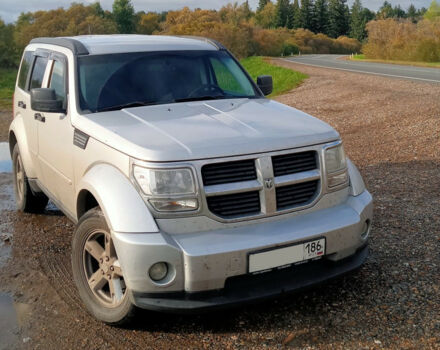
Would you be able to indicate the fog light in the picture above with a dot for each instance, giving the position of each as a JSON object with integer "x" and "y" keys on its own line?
{"x": 365, "y": 230}
{"x": 158, "y": 271}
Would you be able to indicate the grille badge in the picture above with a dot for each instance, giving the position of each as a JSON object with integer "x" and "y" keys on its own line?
{"x": 268, "y": 183}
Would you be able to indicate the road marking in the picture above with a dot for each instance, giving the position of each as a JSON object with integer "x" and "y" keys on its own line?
{"x": 364, "y": 72}
{"x": 372, "y": 64}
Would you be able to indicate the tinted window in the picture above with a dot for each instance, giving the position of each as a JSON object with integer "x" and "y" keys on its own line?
{"x": 38, "y": 72}
{"x": 24, "y": 69}
{"x": 118, "y": 80}
{"x": 57, "y": 80}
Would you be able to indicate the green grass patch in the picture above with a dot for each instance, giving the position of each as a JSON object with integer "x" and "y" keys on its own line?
{"x": 405, "y": 63}
{"x": 284, "y": 79}
{"x": 7, "y": 83}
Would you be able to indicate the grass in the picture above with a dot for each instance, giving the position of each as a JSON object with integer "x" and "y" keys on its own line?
{"x": 406, "y": 63}
{"x": 7, "y": 83}
{"x": 283, "y": 79}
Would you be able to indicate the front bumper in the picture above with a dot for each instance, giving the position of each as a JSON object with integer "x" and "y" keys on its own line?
{"x": 208, "y": 262}
{"x": 246, "y": 289}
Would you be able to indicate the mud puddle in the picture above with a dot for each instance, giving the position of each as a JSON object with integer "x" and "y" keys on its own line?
{"x": 12, "y": 317}
{"x": 7, "y": 203}
{"x": 5, "y": 158}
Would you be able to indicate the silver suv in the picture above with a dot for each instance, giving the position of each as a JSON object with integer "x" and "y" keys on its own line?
{"x": 190, "y": 189}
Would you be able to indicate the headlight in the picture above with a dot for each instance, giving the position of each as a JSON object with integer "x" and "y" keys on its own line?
{"x": 167, "y": 189}
{"x": 336, "y": 166}
{"x": 335, "y": 159}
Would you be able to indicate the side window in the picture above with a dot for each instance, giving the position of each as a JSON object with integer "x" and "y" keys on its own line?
{"x": 38, "y": 72}
{"x": 24, "y": 69}
{"x": 57, "y": 80}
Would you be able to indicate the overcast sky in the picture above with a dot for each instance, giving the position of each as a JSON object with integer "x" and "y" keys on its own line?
{"x": 10, "y": 9}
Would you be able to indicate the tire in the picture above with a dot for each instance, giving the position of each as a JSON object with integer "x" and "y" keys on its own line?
{"x": 97, "y": 273}
{"x": 25, "y": 199}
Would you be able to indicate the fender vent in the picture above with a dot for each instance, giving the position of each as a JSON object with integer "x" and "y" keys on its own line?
{"x": 80, "y": 139}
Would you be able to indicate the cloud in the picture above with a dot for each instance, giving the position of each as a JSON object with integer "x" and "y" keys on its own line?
{"x": 11, "y": 9}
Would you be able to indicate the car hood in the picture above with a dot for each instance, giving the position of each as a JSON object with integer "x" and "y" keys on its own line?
{"x": 205, "y": 129}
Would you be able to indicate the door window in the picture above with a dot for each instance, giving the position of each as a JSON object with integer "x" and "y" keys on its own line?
{"x": 38, "y": 72}
{"x": 25, "y": 68}
{"x": 57, "y": 80}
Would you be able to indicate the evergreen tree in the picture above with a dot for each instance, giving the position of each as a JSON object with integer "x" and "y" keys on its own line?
{"x": 357, "y": 22}
{"x": 290, "y": 24}
{"x": 412, "y": 13}
{"x": 245, "y": 10}
{"x": 283, "y": 7}
{"x": 262, "y": 4}
{"x": 386, "y": 11}
{"x": 296, "y": 14}
{"x": 338, "y": 18}
{"x": 307, "y": 14}
{"x": 123, "y": 13}
{"x": 320, "y": 16}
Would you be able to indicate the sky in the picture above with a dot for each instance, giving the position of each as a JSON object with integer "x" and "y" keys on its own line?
{"x": 10, "y": 9}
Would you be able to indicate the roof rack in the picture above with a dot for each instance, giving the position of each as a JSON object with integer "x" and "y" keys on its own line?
{"x": 213, "y": 42}
{"x": 75, "y": 46}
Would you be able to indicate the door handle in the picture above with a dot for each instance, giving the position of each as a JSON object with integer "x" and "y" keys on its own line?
{"x": 21, "y": 104}
{"x": 39, "y": 117}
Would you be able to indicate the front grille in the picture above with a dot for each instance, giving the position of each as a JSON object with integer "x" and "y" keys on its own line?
{"x": 222, "y": 173}
{"x": 235, "y": 205}
{"x": 294, "y": 163}
{"x": 296, "y": 195}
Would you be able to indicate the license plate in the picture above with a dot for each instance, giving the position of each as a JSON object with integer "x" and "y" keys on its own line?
{"x": 286, "y": 256}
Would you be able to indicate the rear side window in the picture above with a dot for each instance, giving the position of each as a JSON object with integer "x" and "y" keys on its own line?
{"x": 38, "y": 72}
{"x": 24, "y": 69}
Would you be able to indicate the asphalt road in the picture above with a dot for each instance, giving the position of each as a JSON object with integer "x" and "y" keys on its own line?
{"x": 419, "y": 74}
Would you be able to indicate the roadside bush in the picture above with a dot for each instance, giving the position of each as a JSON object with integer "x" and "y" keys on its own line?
{"x": 403, "y": 40}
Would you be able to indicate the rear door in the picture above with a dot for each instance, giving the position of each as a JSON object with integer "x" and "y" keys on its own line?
{"x": 22, "y": 103}
{"x": 55, "y": 137}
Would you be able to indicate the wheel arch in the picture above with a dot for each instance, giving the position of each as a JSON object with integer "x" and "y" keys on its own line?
{"x": 17, "y": 136}
{"x": 105, "y": 186}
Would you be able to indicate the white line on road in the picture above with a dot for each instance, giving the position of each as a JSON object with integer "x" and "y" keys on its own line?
{"x": 364, "y": 72}
{"x": 370, "y": 64}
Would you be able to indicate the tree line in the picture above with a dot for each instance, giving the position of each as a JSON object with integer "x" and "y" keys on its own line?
{"x": 280, "y": 27}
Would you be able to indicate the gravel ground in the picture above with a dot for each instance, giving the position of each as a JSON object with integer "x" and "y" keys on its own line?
{"x": 5, "y": 120}
{"x": 391, "y": 131}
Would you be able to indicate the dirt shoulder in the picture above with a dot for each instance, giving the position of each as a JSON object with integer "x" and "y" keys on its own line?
{"x": 5, "y": 121}
{"x": 391, "y": 131}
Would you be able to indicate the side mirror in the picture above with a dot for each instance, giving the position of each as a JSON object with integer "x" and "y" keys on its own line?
{"x": 265, "y": 84}
{"x": 45, "y": 100}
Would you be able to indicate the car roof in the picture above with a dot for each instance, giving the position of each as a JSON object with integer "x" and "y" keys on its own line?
{"x": 119, "y": 43}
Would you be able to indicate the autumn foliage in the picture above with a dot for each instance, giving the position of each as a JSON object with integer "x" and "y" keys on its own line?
{"x": 404, "y": 40}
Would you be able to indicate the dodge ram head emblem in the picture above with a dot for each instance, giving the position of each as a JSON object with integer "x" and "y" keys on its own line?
{"x": 268, "y": 183}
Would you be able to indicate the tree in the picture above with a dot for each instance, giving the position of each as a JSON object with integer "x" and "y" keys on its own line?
{"x": 338, "y": 14}
{"x": 148, "y": 23}
{"x": 320, "y": 16}
{"x": 412, "y": 13}
{"x": 386, "y": 11}
{"x": 357, "y": 21}
{"x": 266, "y": 18}
{"x": 123, "y": 14}
{"x": 307, "y": 14}
{"x": 282, "y": 12}
{"x": 433, "y": 10}
{"x": 262, "y": 4}
{"x": 296, "y": 14}
{"x": 8, "y": 52}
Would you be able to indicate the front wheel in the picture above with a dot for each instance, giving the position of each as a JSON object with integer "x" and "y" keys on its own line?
{"x": 97, "y": 272}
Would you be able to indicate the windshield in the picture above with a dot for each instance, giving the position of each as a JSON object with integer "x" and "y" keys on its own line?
{"x": 116, "y": 81}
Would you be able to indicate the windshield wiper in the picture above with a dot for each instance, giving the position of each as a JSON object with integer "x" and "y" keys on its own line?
{"x": 201, "y": 98}
{"x": 126, "y": 105}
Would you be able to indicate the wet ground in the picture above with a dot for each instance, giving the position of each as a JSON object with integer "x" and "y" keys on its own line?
{"x": 391, "y": 130}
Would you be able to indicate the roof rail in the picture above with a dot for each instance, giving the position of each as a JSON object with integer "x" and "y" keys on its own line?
{"x": 75, "y": 46}
{"x": 213, "y": 42}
